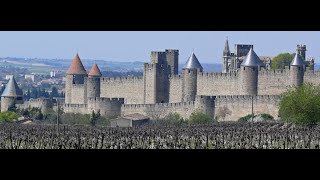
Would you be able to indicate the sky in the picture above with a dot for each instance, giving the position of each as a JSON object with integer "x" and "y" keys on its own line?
{"x": 137, "y": 45}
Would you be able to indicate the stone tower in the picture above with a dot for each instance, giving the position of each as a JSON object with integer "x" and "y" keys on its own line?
{"x": 76, "y": 83}
{"x": 301, "y": 50}
{"x": 11, "y": 95}
{"x": 93, "y": 82}
{"x": 226, "y": 57}
{"x": 156, "y": 79}
{"x": 249, "y": 69}
{"x": 189, "y": 78}
{"x": 297, "y": 68}
{"x": 172, "y": 57}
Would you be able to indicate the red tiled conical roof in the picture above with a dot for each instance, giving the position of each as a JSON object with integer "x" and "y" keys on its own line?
{"x": 95, "y": 71}
{"x": 76, "y": 67}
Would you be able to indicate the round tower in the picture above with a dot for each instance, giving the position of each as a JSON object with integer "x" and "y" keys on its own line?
{"x": 75, "y": 75}
{"x": 249, "y": 70}
{"x": 189, "y": 78}
{"x": 297, "y": 68}
{"x": 93, "y": 82}
{"x": 11, "y": 95}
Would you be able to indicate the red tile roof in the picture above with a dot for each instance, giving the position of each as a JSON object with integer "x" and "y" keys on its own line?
{"x": 95, "y": 71}
{"x": 76, "y": 67}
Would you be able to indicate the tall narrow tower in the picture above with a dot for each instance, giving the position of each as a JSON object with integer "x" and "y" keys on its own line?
{"x": 189, "y": 78}
{"x": 297, "y": 68}
{"x": 249, "y": 70}
{"x": 301, "y": 50}
{"x": 93, "y": 82}
{"x": 172, "y": 57}
{"x": 226, "y": 57}
{"x": 156, "y": 79}
{"x": 11, "y": 95}
{"x": 75, "y": 82}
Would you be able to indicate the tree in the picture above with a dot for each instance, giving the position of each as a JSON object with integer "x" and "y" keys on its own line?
{"x": 282, "y": 60}
{"x": 173, "y": 119}
{"x": 28, "y": 95}
{"x": 93, "y": 118}
{"x": 34, "y": 93}
{"x": 199, "y": 117}
{"x": 98, "y": 115}
{"x": 39, "y": 115}
{"x": 54, "y": 92}
{"x": 301, "y": 105}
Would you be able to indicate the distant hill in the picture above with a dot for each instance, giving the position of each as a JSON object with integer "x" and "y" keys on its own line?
{"x": 46, "y": 65}
{"x": 38, "y": 65}
{"x": 206, "y": 67}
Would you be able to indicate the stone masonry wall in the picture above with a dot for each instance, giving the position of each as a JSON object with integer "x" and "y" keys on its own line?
{"x": 273, "y": 82}
{"x": 109, "y": 107}
{"x": 312, "y": 77}
{"x": 75, "y": 108}
{"x": 79, "y": 94}
{"x": 240, "y": 106}
{"x": 175, "y": 89}
{"x": 155, "y": 111}
{"x": 43, "y": 104}
{"x": 211, "y": 84}
{"x": 129, "y": 88}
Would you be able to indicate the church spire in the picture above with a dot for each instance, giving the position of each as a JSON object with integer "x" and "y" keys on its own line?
{"x": 226, "y": 47}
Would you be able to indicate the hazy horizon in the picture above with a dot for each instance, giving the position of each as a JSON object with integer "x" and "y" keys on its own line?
{"x": 129, "y": 46}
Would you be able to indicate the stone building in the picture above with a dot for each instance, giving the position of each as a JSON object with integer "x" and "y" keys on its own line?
{"x": 232, "y": 61}
{"x": 131, "y": 120}
{"x": 161, "y": 90}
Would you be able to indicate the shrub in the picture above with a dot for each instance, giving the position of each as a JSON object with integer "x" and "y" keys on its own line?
{"x": 199, "y": 118}
{"x": 8, "y": 116}
{"x": 301, "y": 105}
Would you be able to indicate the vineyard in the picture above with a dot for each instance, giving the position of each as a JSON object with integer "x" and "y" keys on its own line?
{"x": 213, "y": 136}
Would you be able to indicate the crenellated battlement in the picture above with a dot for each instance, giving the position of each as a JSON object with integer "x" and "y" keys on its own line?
{"x": 274, "y": 72}
{"x": 172, "y": 50}
{"x": 160, "y": 105}
{"x": 247, "y": 97}
{"x": 105, "y": 100}
{"x": 149, "y": 66}
{"x": 153, "y": 53}
{"x": 77, "y": 86}
{"x": 311, "y": 73}
{"x": 75, "y": 106}
{"x": 230, "y": 75}
{"x": 119, "y": 79}
{"x": 175, "y": 77}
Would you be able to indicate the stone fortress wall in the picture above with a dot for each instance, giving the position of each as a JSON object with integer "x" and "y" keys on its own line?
{"x": 161, "y": 91}
{"x": 129, "y": 88}
{"x": 42, "y": 103}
